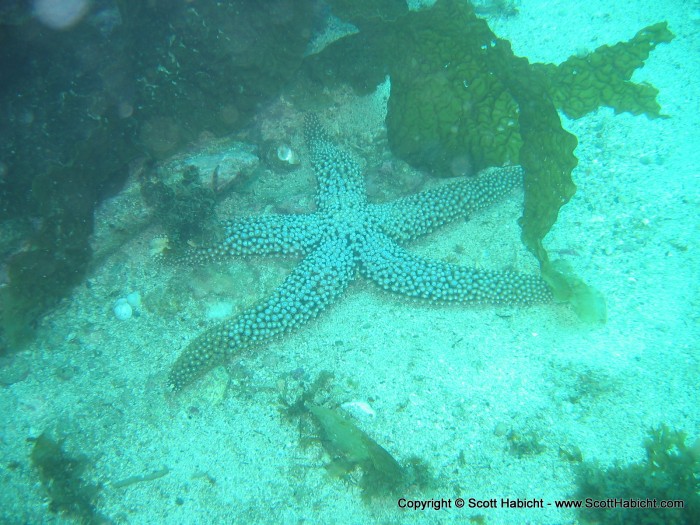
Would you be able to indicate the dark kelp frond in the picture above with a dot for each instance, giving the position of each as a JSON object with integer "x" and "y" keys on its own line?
{"x": 459, "y": 92}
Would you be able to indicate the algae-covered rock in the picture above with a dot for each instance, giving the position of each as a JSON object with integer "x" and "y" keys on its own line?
{"x": 130, "y": 79}
{"x": 56, "y": 254}
{"x": 208, "y": 66}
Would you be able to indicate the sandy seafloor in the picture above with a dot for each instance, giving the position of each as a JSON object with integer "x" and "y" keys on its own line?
{"x": 445, "y": 382}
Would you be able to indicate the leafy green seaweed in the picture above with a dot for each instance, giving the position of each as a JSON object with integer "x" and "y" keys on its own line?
{"x": 459, "y": 93}
{"x": 582, "y": 84}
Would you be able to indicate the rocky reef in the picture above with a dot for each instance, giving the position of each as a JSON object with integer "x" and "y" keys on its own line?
{"x": 123, "y": 81}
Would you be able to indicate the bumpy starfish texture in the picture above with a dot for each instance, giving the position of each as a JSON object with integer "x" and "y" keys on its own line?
{"x": 348, "y": 235}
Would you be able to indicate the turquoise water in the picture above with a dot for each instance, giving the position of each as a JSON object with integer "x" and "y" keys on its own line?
{"x": 122, "y": 136}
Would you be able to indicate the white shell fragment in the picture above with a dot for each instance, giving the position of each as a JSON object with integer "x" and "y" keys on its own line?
{"x": 122, "y": 309}
{"x": 134, "y": 299}
{"x": 359, "y": 409}
{"x": 287, "y": 154}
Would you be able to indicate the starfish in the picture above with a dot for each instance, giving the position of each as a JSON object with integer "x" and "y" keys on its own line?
{"x": 346, "y": 236}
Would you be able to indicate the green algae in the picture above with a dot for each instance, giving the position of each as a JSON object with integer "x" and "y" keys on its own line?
{"x": 584, "y": 83}
{"x": 459, "y": 92}
{"x": 62, "y": 477}
{"x": 671, "y": 471}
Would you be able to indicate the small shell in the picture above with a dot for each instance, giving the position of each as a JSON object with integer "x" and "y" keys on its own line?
{"x": 359, "y": 409}
{"x": 122, "y": 309}
{"x": 287, "y": 154}
{"x": 134, "y": 300}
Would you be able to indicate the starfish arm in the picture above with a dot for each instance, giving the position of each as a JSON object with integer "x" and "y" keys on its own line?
{"x": 395, "y": 269}
{"x": 416, "y": 215}
{"x": 314, "y": 285}
{"x": 340, "y": 180}
{"x": 263, "y": 235}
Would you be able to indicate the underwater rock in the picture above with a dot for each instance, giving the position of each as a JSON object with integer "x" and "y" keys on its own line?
{"x": 130, "y": 79}
{"x": 208, "y": 66}
{"x": 218, "y": 162}
{"x": 183, "y": 190}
